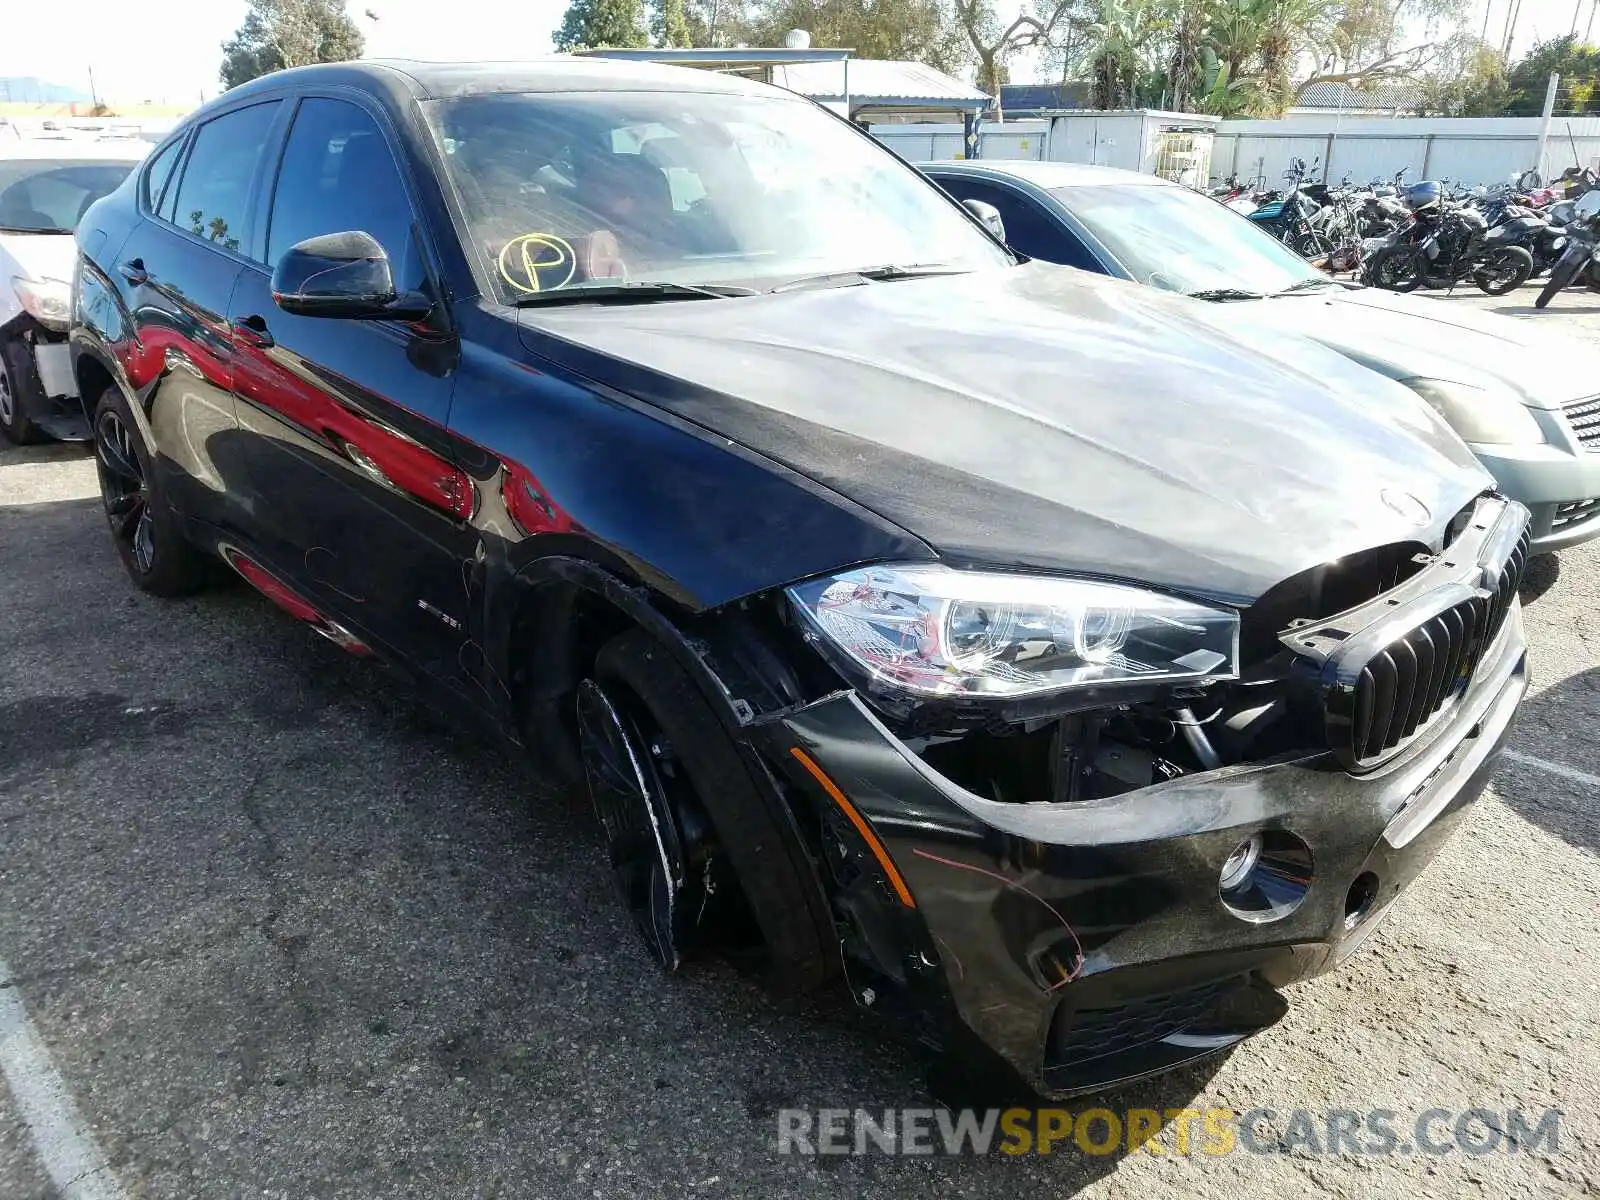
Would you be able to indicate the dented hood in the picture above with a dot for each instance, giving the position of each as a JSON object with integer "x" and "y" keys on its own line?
{"x": 1039, "y": 417}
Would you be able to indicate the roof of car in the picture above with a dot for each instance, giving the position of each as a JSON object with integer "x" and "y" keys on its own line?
{"x": 556, "y": 73}
{"x": 1046, "y": 174}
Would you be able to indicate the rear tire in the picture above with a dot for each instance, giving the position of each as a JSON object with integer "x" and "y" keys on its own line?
{"x": 1562, "y": 274}
{"x": 14, "y": 372}
{"x": 753, "y": 833}
{"x": 144, "y": 529}
{"x": 1510, "y": 265}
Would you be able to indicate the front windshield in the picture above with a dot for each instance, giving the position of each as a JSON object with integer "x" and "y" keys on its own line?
{"x": 1180, "y": 240}
{"x": 561, "y": 190}
{"x": 51, "y": 195}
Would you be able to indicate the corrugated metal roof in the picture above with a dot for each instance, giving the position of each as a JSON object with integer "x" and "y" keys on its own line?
{"x": 1342, "y": 95}
{"x": 880, "y": 81}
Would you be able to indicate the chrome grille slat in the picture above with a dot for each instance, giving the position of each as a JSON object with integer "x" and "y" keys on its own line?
{"x": 1584, "y": 418}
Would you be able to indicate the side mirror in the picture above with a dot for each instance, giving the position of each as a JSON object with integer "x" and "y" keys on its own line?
{"x": 343, "y": 275}
{"x": 989, "y": 215}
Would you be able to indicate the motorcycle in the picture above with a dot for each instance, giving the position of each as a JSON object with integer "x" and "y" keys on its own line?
{"x": 1446, "y": 244}
{"x": 1581, "y": 258}
{"x": 1288, "y": 218}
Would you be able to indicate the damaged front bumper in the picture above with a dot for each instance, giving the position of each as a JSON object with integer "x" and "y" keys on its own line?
{"x": 1089, "y": 942}
{"x": 47, "y": 393}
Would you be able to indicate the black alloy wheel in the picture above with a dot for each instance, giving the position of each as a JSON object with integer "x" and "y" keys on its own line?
{"x": 147, "y": 534}
{"x": 657, "y": 838}
{"x": 703, "y": 848}
{"x": 124, "y": 492}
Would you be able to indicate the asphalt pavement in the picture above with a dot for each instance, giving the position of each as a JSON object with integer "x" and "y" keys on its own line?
{"x": 271, "y": 927}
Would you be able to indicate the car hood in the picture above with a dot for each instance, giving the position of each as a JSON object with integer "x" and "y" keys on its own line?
{"x": 38, "y": 255}
{"x": 1041, "y": 417}
{"x": 1407, "y": 337}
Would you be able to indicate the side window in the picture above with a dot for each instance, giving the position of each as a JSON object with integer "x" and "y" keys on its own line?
{"x": 339, "y": 176}
{"x": 159, "y": 172}
{"x": 1028, "y": 227}
{"x": 214, "y": 194}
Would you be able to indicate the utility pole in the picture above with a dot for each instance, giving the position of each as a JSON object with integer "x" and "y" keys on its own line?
{"x": 1589, "y": 28}
{"x": 1513, "y": 11}
{"x": 94, "y": 95}
{"x": 1544, "y": 123}
{"x": 1576, "y": 9}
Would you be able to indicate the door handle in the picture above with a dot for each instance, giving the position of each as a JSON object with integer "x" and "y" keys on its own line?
{"x": 133, "y": 271}
{"x": 252, "y": 331}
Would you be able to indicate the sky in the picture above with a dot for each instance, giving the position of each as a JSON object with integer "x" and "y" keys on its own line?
{"x": 168, "y": 51}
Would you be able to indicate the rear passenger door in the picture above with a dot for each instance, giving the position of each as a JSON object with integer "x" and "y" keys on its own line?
{"x": 177, "y": 271}
{"x": 349, "y": 469}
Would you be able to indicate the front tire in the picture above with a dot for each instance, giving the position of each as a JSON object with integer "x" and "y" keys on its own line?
{"x": 144, "y": 529}
{"x": 1562, "y": 274}
{"x": 682, "y": 812}
{"x": 1507, "y": 269}
{"x": 1313, "y": 245}
{"x": 14, "y": 370}
{"x": 1394, "y": 268}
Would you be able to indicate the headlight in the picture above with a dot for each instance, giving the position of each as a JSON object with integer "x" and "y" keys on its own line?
{"x": 1479, "y": 415}
{"x": 933, "y": 631}
{"x": 48, "y": 301}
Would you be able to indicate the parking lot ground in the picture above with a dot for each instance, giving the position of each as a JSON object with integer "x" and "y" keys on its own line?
{"x": 282, "y": 931}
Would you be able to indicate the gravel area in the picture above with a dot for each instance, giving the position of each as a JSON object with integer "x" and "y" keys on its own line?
{"x": 287, "y": 933}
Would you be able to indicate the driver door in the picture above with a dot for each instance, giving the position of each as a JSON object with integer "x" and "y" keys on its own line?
{"x": 354, "y": 491}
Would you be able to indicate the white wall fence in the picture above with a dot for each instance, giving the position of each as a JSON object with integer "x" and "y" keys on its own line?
{"x": 1472, "y": 150}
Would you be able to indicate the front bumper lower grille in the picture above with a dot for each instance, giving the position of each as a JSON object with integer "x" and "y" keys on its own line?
{"x": 1392, "y": 666}
{"x": 1584, "y": 417}
{"x": 1100, "y": 1032}
{"x": 1575, "y": 513}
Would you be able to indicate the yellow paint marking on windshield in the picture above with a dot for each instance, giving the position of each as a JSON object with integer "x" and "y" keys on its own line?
{"x": 529, "y": 248}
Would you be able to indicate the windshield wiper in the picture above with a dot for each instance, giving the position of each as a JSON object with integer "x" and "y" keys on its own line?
{"x": 1224, "y": 294}
{"x": 19, "y": 229}
{"x": 1305, "y": 285}
{"x": 641, "y": 291}
{"x": 880, "y": 274}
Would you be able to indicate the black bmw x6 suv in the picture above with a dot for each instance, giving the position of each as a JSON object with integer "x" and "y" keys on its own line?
{"x": 1063, "y": 673}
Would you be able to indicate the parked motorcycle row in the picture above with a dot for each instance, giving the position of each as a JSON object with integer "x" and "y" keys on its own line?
{"x": 1435, "y": 235}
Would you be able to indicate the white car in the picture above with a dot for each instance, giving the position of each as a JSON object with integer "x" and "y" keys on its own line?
{"x": 1527, "y": 400}
{"x": 45, "y": 188}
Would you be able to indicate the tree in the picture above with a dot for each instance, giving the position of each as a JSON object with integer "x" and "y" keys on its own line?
{"x": 591, "y": 24}
{"x": 717, "y": 22}
{"x": 289, "y": 33}
{"x": 892, "y": 29}
{"x": 992, "y": 42}
{"x": 1468, "y": 81}
{"x": 669, "y": 24}
{"x": 1576, "y": 62}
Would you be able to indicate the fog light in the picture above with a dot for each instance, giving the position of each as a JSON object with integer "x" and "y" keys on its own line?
{"x": 1265, "y": 877}
{"x": 1240, "y": 863}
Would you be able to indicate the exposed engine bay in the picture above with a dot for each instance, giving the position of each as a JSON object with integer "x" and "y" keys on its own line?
{"x": 1275, "y": 711}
